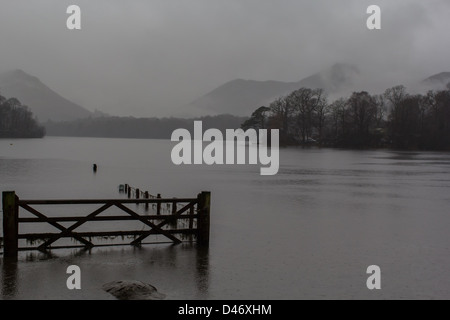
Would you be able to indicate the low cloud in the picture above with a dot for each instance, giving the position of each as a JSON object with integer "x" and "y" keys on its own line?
{"x": 151, "y": 58}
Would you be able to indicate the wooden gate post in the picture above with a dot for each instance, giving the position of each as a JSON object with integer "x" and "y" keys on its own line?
{"x": 10, "y": 223}
{"x": 203, "y": 220}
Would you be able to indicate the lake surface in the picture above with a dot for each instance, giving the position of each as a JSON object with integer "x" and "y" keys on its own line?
{"x": 309, "y": 232}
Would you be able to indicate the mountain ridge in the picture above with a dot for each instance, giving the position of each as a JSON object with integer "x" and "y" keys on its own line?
{"x": 241, "y": 96}
{"x": 45, "y": 103}
{"x": 439, "y": 78}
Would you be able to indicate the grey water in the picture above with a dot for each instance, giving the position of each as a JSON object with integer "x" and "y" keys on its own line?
{"x": 309, "y": 232}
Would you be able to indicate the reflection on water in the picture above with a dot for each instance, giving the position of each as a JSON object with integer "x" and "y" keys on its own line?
{"x": 187, "y": 265}
{"x": 9, "y": 278}
{"x": 202, "y": 275}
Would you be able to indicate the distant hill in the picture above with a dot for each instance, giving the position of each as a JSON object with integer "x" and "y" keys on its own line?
{"x": 242, "y": 97}
{"x": 45, "y": 103}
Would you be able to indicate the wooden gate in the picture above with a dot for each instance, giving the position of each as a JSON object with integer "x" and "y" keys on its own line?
{"x": 196, "y": 211}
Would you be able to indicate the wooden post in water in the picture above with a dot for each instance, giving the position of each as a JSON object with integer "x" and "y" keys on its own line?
{"x": 158, "y": 205}
{"x": 10, "y": 223}
{"x": 129, "y": 192}
{"x": 137, "y": 195}
{"x": 146, "y": 196}
{"x": 191, "y": 221}
{"x": 203, "y": 220}
{"x": 174, "y": 223}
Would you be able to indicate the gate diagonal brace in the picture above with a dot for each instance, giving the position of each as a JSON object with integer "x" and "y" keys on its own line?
{"x": 162, "y": 224}
{"x": 56, "y": 225}
{"x": 154, "y": 227}
{"x": 67, "y": 232}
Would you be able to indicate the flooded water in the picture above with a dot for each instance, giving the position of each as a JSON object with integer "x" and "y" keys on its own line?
{"x": 309, "y": 232}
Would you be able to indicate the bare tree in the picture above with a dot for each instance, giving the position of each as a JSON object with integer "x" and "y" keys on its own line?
{"x": 281, "y": 110}
{"x": 17, "y": 121}
{"x": 258, "y": 120}
{"x": 382, "y": 109}
{"x": 363, "y": 111}
{"x": 395, "y": 96}
{"x": 321, "y": 112}
{"x": 305, "y": 102}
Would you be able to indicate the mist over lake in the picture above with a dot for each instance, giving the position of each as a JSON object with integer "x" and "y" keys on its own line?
{"x": 311, "y": 231}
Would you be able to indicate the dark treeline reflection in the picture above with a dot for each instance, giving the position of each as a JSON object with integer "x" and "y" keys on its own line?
{"x": 17, "y": 121}
{"x": 395, "y": 119}
{"x": 130, "y": 127}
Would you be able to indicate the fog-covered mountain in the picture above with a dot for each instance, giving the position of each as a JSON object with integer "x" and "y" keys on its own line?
{"x": 438, "y": 81}
{"x": 45, "y": 103}
{"x": 238, "y": 97}
{"x": 242, "y": 97}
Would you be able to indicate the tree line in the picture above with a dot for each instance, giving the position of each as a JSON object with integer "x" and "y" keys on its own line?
{"x": 395, "y": 119}
{"x": 17, "y": 121}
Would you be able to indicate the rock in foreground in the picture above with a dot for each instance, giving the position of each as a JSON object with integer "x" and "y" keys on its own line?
{"x": 132, "y": 290}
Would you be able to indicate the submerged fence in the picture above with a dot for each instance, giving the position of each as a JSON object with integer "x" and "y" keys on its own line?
{"x": 195, "y": 212}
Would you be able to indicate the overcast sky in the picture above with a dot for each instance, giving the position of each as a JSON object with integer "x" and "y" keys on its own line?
{"x": 152, "y": 57}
